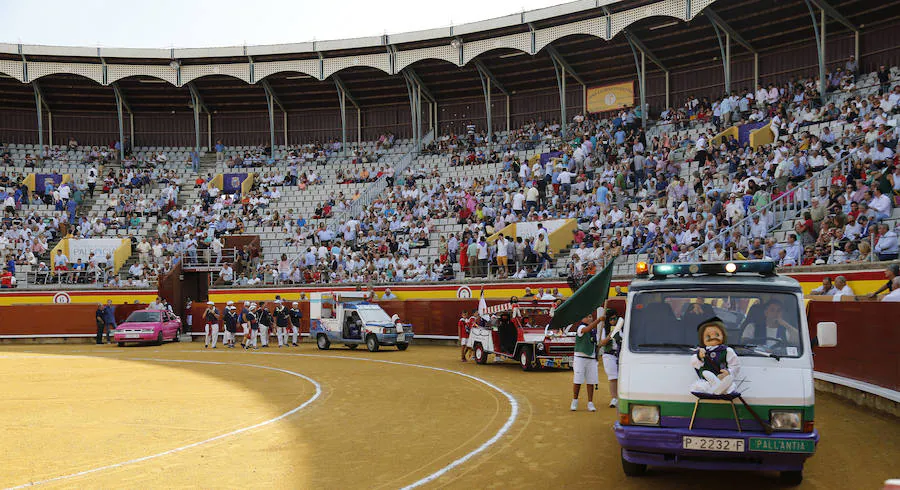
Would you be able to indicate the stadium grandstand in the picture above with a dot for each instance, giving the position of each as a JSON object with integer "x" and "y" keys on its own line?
{"x": 537, "y": 145}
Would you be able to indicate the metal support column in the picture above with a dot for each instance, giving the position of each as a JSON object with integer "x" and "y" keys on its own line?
{"x": 641, "y": 68}
{"x": 119, "y": 115}
{"x": 345, "y": 96}
{"x": 40, "y": 118}
{"x": 755, "y": 71}
{"x": 561, "y": 84}
{"x": 412, "y": 91}
{"x": 196, "y": 105}
{"x": 342, "y": 103}
{"x": 507, "y": 115}
{"x": 50, "y": 128}
{"x": 285, "y": 127}
{"x": 667, "y": 90}
{"x": 820, "y": 47}
{"x": 271, "y": 105}
{"x": 644, "y": 115}
{"x": 486, "y": 91}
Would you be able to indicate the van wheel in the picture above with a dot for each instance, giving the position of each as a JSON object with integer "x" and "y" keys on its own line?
{"x": 480, "y": 355}
{"x": 121, "y": 344}
{"x": 372, "y": 343}
{"x": 352, "y": 346}
{"x": 526, "y": 358}
{"x": 402, "y": 346}
{"x": 632, "y": 469}
{"x": 159, "y": 339}
{"x": 177, "y": 336}
{"x": 791, "y": 478}
{"x": 322, "y": 342}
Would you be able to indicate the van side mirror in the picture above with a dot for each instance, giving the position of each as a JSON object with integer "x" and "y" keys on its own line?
{"x": 826, "y": 332}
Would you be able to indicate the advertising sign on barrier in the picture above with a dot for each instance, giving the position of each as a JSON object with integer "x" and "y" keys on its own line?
{"x": 82, "y": 248}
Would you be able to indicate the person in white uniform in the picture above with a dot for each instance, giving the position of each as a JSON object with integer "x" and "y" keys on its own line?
{"x": 584, "y": 363}
{"x": 610, "y": 343}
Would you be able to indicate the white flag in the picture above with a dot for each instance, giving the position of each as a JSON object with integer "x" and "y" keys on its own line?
{"x": 482, "y": 307}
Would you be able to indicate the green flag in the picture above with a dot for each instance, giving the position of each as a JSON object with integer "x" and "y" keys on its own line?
{"x": 588, "y": 298}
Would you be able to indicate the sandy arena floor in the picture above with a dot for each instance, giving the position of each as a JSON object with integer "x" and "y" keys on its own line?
{"x": 179, "y": 416}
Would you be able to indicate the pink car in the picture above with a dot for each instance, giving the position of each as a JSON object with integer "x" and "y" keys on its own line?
{"x": 148, "y": 326}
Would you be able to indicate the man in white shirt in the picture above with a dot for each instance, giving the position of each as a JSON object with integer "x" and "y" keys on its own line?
{"x": 826, "y": 289}
{"x": 841, "y": 288}
{"x": 502, "y": 258}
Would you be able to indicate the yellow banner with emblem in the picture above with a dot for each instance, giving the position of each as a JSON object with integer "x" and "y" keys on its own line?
{"x": 610, "y": 97}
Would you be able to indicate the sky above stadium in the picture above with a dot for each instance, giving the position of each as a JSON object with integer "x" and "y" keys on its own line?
{"x": 204, "y": 23}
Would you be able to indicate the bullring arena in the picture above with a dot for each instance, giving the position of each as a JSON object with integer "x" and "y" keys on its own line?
{"x": 253, "y": 266}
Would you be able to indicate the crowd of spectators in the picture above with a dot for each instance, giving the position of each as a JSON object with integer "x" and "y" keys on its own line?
{"x": 627, "y": 191}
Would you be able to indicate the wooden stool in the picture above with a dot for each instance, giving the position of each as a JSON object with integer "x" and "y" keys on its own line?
{"x": 729, "y": 397}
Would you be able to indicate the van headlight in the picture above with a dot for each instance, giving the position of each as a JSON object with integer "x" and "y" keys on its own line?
{"x": 645, "y": 415}
{"x": 786, "y": 419}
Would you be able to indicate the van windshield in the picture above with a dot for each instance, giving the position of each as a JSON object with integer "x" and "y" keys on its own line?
{"x": 144, "y": 316}
{"x": 373, "y": 314}
{"x": 756, "y": 323}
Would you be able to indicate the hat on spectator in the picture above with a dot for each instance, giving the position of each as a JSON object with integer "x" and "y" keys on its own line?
{"x": 229, "y": 303}
{"x": 210, "y": 302}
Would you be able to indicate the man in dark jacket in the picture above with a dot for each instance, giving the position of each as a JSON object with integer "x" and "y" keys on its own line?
{"x": 98, "y": 317}
{"x": 109, "y": 319}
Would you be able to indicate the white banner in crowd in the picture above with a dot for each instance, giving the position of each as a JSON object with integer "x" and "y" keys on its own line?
{"x": 82, "y": 248}
{"x": 529, "y": 229}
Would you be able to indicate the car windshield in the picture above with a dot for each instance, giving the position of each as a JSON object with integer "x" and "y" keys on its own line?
{"x": 373, "y": 314}
{"x": 757, "y": 323}
{"x": 144, "y": 316}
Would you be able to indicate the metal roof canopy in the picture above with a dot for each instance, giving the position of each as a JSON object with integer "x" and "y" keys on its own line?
{"x": 757, "y": 25}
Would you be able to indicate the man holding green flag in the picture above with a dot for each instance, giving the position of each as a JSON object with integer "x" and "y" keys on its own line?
{"x": 580, "y": 306}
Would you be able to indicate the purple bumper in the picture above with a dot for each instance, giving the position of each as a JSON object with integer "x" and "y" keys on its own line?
{"x": 662, "y": 446}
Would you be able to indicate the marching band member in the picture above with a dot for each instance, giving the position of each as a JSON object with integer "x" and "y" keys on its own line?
{"x": 231, "y": 321}
{"x": 610, "y": 343}
{"x": 253, "y": 323}
{"x": 265, "y": 321}
{"x": 296, "y": 318}
{"x": 245, "y": 324}
{"x": 211, "y": 315}
{"x": 282, "y": 321}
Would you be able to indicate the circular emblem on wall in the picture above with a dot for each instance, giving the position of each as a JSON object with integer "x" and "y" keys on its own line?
{"x": 62, "y": 298}
{"x": 610, "y": 99}
{"x": 464, "y": 292}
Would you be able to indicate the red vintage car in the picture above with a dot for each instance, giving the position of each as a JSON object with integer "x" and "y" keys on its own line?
{"x": 148, "y": 326}
{"x": 530, "y": 341}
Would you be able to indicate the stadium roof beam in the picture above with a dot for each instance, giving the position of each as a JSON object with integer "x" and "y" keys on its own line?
{"x": 271, "y": 101}
{"x": 122, "y": 102}
{"x": 197, "y": 104}
{"x": 721, "y": 26}
{"x": 558, "y": 58}
{"x": 432, "y": 120}
{"x": 636, "y": 43}
{"x": 344, "y": 96}
{"x": 488, "y": 82}
{"x": 830, "y": 11}
{"x": 414, "y": 91}
{"x": 41, "y": 103}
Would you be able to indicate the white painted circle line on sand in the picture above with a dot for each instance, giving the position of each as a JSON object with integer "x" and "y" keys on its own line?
{"x": 198, "y": 443}
{"x": 513, "y": 415}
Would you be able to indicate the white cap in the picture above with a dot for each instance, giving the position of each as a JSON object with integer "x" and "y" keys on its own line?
{"x": 210, "y": 302}
{"x": 295, "y": 303}
{"x": 229, "y": 303}
{"x": 246, "y": 303}
{"x": 277, "y": 301}
{"x": 252, "y": 307}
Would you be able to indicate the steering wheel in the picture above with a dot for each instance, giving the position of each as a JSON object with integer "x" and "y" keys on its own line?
{"x": 778, "y": 343}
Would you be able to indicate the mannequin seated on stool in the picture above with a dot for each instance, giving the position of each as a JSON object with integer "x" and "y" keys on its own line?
{"x": 716, "y": 364}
